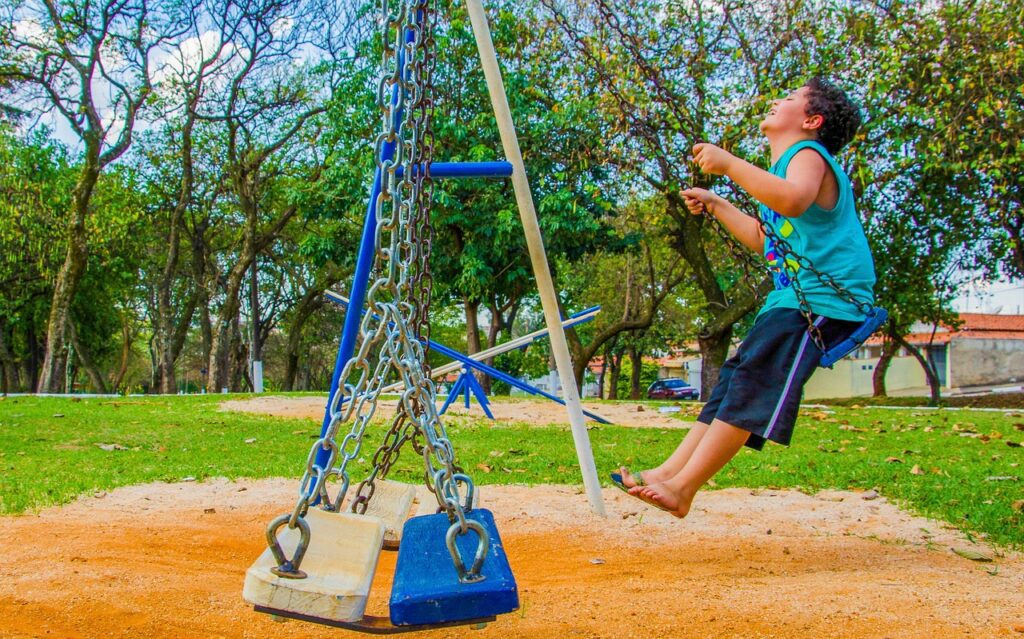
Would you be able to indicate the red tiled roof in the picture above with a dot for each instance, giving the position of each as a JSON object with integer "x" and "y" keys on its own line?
{"x": 973, "y": 326}
{"x": 919, "y": 338}
{"x": 991, "y": 335}
{"x": 988, "y": 322}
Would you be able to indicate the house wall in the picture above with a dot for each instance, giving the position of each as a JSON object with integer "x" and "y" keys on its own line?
{"x": 853, "y": 378}
{"x": 981, "y": 362}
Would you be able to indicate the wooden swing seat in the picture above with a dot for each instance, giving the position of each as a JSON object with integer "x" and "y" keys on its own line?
{"x": 392, "y": 502}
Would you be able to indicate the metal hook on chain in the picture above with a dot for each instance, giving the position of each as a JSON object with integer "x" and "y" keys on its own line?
{"x": 288, "y": 568}
{"x": 473, "y": 574}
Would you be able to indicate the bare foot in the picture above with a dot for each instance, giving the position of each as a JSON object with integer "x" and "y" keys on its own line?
{"x": 675, "y": 502}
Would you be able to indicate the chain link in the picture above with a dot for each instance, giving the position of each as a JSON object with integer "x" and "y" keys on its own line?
{"x": 397, "y": 305}
{"x": 786, "y": 253}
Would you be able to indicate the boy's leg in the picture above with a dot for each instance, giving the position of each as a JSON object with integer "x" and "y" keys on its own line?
{"x": 675, "y": 462}
{"x": 716, "y": 447}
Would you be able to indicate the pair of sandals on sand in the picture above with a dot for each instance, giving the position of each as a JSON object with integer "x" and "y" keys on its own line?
{"x": 638, "y": 477}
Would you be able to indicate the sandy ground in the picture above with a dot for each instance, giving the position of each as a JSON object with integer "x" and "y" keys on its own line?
{"x": 533, "y": 412}
{"x": 168, "y": 561}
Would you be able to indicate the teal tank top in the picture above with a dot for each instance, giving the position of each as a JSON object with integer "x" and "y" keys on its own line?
{"x": 833, "y": 240}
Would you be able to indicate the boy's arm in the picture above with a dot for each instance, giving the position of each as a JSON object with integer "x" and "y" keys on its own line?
{"x": 743, "y": 227}
{"x": 790, "y": 196}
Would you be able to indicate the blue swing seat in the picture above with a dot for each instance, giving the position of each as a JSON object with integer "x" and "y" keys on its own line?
{"x": 427, "y": 590}
{"x": 874, "y": 320}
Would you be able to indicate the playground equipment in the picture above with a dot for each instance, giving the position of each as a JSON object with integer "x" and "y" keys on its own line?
{"x": 466, "y": 382}
{"x": 320, "y": 562}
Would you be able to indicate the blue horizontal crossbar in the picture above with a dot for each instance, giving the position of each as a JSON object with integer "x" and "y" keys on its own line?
{"x": 463, "y": 169}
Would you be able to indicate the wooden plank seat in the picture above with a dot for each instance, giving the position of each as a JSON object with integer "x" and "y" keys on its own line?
{"x": 392, "y": 502}
{"x": 340, "y": 563}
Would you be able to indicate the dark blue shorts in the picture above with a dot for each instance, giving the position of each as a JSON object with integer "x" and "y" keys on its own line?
{"x": 760, "y": 387}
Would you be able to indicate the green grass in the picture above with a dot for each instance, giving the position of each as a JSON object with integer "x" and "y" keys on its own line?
{"x": 936, "y": 463}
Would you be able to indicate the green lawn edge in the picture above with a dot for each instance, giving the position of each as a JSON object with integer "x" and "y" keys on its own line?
{"x": 958, "y": 466}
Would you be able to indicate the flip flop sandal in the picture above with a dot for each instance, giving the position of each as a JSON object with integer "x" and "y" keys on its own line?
{"x": 617, "y": 480}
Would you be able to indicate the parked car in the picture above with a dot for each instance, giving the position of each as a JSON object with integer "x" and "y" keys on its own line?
{"x": 672, "y": 388}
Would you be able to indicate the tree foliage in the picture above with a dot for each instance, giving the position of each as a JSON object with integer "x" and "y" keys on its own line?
{"x": 217, "y": 158}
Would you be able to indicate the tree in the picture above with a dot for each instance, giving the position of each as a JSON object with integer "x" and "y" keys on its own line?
{"x": 90, "y": 63}
{"x": 670, "y": 75}
{"x": 631, "y": 286}
{"x": 926, "y": 183}
{"x": 184, "y": 79}
{"x": 281, "y": 69}
{"x": 484, "y": 263}
{"x": 34, "y": 187}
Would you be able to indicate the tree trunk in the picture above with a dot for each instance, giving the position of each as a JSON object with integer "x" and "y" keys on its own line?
{"x": 202, "y": 298}
{"x": 473, "y": 333}
{"x": 635, "y": 357}
{"x": 70, "y": 370}
{"x": 154, "y": 366}
{"x": 167, "y": 344}
{"x": 8, "y": 369}
{"x": 127, "y": 337}
{"x": 615, "y": 368}
{"x": 70, "y": 273}
{"x": 493, "y": 331}
{"x": 309, "y": 304}
{"x": 929, "y": 371}
{"x": 889, "y": 348}
{"x": 95, "y": 378}
{"x": 220, "y": 349}
{"x": 714, "y": 350}
{"x": 35, "y": 351}
{"x": 238, "y": 356}
{"x": 717, "y": 336}
{"x": 600, "y": 377}
{"x": 165, "y": 308}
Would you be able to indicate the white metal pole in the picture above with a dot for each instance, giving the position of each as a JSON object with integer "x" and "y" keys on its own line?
{"x": 510, "y": 143}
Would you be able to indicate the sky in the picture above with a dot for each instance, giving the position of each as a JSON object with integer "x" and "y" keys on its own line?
{"x": 1002, "y": 298}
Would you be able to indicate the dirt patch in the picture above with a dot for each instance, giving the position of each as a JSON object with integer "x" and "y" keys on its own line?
{"x": 167, "y": 560}
{"x": 533, "y": 412}
{"x": 997, "y": 401}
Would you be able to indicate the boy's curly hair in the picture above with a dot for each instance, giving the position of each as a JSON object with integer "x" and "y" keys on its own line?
{"x": 841, "y": 115}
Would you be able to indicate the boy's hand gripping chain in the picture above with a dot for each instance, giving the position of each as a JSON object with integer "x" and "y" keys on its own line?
{"x": 875, "y": 316}
{"x": 397, "y": 304}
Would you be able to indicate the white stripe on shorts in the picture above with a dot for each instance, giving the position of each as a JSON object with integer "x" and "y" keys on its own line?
{"x": 789, "y": 378}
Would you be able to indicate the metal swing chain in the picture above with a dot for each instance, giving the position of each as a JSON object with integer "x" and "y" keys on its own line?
{"x": 423, "y": 282}
{"x": 402, "y": 429}
{"x": 386, "y": 328}
{"x": 786, "y": 252}
{"x": 747, "y": 260}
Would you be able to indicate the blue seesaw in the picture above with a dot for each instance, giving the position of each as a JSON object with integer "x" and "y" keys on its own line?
{"x": 466, "y": 383}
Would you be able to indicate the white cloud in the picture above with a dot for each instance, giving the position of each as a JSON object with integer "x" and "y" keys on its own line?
{"x": 31, "y": 31}
{"x": 282, "y": 27}
{"x": 183, "y": 61}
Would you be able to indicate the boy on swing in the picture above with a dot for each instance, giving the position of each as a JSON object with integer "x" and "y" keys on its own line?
{"x": 808, "y": 201}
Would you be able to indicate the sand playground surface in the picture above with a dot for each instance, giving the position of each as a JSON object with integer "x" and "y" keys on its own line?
{"x": 168, "y": 560}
